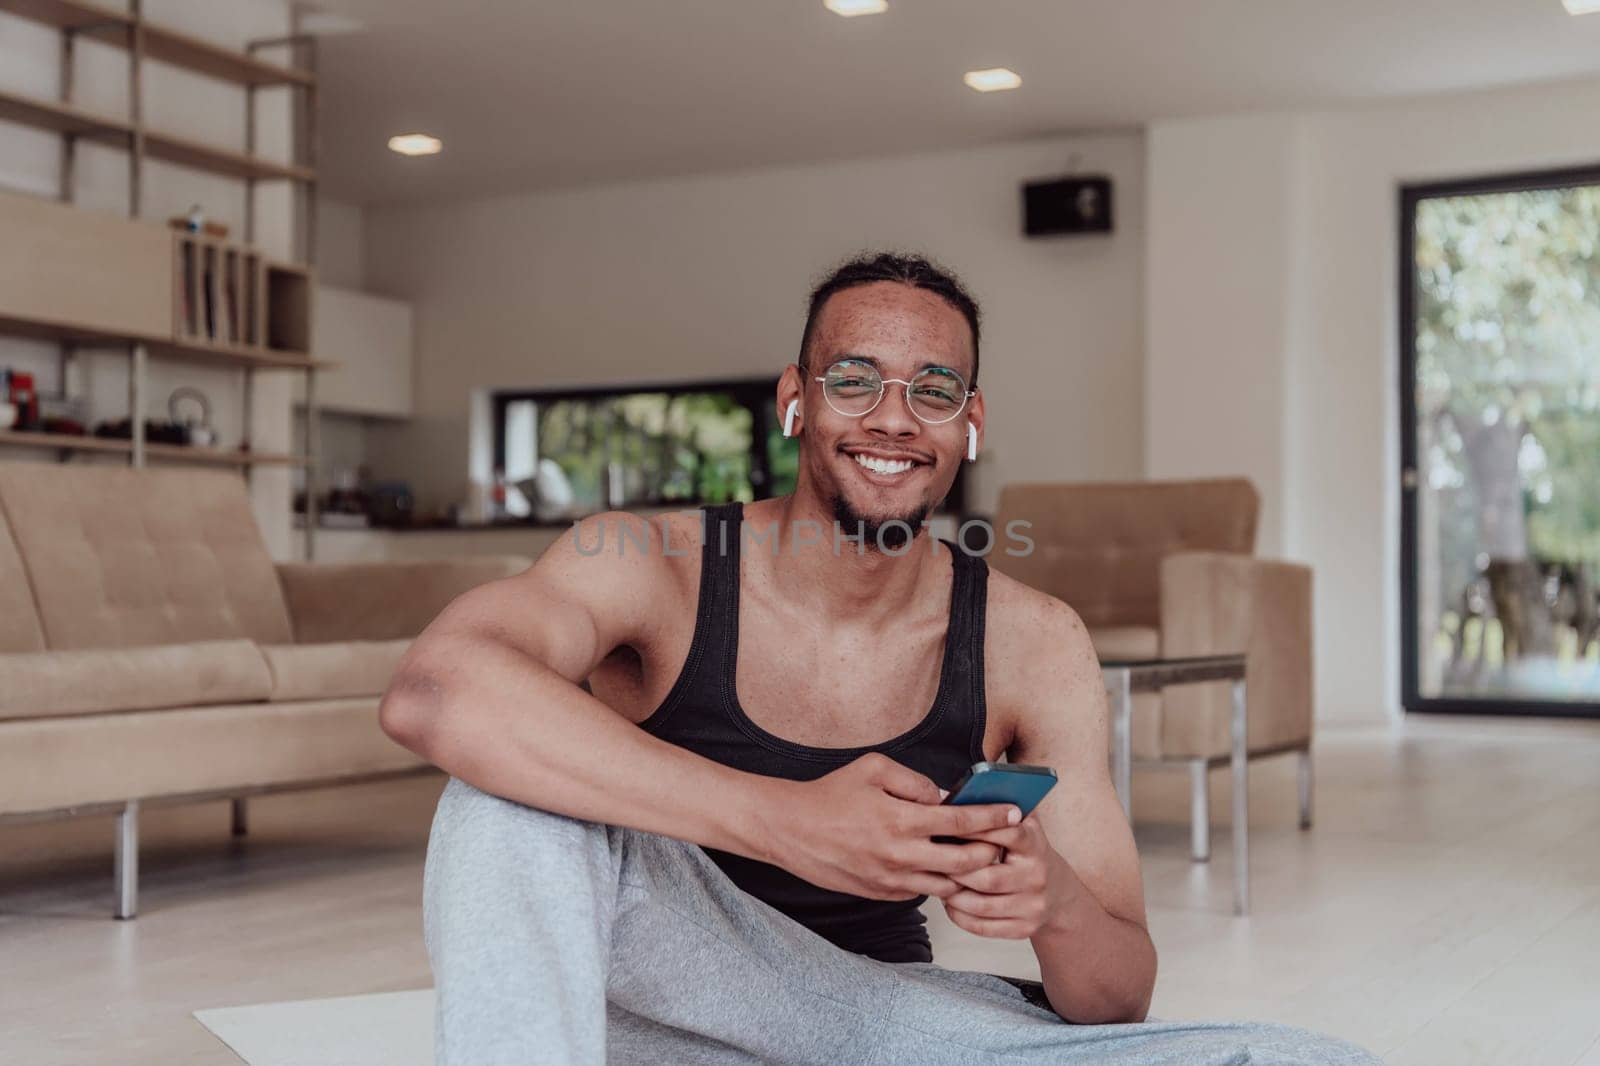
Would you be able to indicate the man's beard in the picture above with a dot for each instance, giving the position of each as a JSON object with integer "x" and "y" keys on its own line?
{"x": 887, "y": 534}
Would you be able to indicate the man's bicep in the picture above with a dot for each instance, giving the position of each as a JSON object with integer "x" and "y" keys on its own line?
{"x": 568, "y": 611}
{"x": 1063, "y": 723}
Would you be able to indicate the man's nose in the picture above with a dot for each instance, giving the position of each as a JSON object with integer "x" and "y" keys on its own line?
{"x": 892, "y": 418}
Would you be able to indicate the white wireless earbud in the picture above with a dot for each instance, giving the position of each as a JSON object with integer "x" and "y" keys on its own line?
{"x": 788, "y": 418}
{"x": 972, "y": 443}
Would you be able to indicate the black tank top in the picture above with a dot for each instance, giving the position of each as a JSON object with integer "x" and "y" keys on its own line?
{"x": 702, "y": 713}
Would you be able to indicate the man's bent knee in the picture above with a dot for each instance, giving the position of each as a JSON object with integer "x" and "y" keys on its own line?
{"x": 480, "y": 817}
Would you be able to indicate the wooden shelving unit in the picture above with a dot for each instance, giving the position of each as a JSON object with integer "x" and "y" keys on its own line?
{"x": 160, "y": 43}
{"x": 185, "y": 153}
{"x": 64, "y": 118}
{"x": 73, "y": 442}
{"x": 167, "y": 147}
{"x": 188, "y": 351}
{"x": 268, "y": 302}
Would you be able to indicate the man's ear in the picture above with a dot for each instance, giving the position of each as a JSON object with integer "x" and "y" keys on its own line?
{"x": 790, "y": 405}
{"x": 974, "y": 415}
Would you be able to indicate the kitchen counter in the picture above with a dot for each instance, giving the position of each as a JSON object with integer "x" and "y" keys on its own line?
{"x": 336, "y": 544}
{"x": 346, "y": 545}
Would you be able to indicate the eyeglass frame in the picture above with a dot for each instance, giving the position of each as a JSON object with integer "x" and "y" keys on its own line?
{"x": 883, "y": 390}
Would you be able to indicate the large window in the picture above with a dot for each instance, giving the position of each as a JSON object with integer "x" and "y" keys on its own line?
{"x": 1501, "y": 444}
{"x": 565, "y": 453}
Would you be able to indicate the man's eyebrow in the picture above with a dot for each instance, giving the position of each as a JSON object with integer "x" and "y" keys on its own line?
{"x": 872, "y": 361}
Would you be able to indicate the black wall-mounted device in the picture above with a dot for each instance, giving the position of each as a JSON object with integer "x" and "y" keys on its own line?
{"x": 1066, "y": 206}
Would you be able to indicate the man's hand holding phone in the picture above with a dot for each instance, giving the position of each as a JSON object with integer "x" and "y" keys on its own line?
{"x": 868, "y": 828}
{"x": 1013, "y": 898}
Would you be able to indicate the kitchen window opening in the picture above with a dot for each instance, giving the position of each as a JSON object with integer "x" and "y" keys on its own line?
{"x": 565, "y": 453}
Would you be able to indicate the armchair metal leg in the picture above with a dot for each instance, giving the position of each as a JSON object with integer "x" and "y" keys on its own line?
{"x": 1119, "y": 686}
{"x": 241, "y": 816}
{"x": 1305, "y": 789}
{"x": 1199, "y": 811}
{"x": 1239, "y": 764}
{"x": 127, "y": 861}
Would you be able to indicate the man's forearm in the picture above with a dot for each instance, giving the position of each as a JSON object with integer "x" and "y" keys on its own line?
{"x": 1096, "y": 967}
{"x": 516, "y": 729}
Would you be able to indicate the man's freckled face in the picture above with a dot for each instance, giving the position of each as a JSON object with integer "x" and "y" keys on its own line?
{"x": 885, "y": 464}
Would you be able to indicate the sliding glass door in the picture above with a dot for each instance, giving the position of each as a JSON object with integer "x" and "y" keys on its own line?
{"x": 1500, "y": 403}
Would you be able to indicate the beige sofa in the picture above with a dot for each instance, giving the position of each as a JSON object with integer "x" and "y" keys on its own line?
{"x": 1165, "y": 569}
{"x": 152, "y": 651}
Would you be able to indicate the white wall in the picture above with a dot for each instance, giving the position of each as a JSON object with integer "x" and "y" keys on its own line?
{"x": 1216, "y": 354}
{"x": 341, "y": 244}
{"x": 186, "y": 104}
{"x": 341, "y": 262}
{"x": 1279, "y": 233}
{"x": 707, "y": 276}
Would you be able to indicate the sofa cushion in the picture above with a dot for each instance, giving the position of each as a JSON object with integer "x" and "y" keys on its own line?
{"x": 43, "y": 684}
{"x": 49, "y": 763}
{"x": 382, "y": 601}
{"x": 119, "y": 557}
{"x": 19, "y": 622}
{"x": 326, "y": 671}
{"x": 1125, "y": 642}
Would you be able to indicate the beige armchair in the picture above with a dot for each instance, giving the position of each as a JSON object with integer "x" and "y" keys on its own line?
{"x": 1164, "y": 569}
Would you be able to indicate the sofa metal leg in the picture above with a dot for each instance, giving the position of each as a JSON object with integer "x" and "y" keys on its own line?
{"x": 1199, "y": 810}
{"x": 241, "y": 816}
{"x": 1305, "y": 788}
{"x": 127, "y": 861}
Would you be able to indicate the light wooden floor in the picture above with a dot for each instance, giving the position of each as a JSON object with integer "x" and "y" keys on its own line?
{"x": 1445, "y": 908}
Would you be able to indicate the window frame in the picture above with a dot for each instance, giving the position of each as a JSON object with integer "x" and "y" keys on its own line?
{"x": 1408, "y": 480}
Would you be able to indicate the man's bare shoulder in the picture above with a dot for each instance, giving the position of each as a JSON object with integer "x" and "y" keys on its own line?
{"x": 1021, "y": 617}
{"x": 1036, "y": 648}
{"x": 627, "y": 548}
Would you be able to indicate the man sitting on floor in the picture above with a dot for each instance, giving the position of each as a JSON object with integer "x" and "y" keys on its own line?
{"x": 746, "y": 666}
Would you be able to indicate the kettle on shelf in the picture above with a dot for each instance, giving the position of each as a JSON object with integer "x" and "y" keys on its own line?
{"x": 199, "y": 433}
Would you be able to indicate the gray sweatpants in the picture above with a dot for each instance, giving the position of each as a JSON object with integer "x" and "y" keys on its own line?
{"x": 555, "y": 940}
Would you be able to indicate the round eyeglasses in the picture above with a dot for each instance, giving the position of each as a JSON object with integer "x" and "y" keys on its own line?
{"x": 935, "y": 394}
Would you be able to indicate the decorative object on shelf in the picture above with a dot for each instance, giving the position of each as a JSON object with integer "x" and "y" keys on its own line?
{"x": 64, "y": 414}
{"x": 155, "y": 431}
{"x": 8, "y": 414}
{"x": 196, "y": 222}
{"x": 20, "y": 391}
{"x": 201, "y": 433}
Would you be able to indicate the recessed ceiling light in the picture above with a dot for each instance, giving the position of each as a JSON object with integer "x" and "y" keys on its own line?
{"x": 1581, "y": 7}
{"x": 852, "y": 8}
{"x": 997, "y": 78}
{"x": 415, "y": 144}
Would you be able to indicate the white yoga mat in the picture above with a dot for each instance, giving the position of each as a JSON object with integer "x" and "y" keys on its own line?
{"x": 387, "y": 1029}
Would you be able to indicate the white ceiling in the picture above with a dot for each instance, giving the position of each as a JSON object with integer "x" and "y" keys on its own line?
{"x": 543, "y": 93}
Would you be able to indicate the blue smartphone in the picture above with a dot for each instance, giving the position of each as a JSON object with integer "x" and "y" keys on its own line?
{"x": 1001, "y": 782}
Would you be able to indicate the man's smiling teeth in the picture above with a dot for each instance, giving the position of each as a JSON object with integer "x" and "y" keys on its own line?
{"x": 885, "y": 466}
